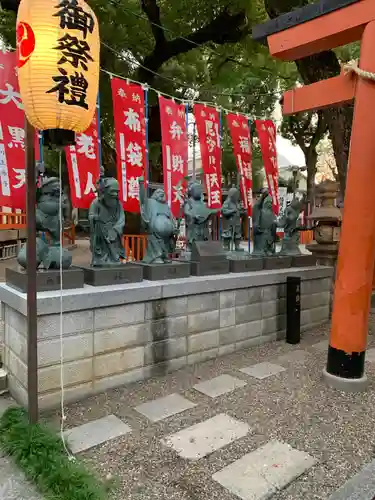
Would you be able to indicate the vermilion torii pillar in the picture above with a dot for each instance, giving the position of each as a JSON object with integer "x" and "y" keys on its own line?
{"x": 301, "y": 33}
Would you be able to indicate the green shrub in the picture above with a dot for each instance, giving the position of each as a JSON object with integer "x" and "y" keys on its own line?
{"x": 40, "y": 454}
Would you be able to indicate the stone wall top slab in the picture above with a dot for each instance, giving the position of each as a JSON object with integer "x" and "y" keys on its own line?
{"x": 91, "y": 297}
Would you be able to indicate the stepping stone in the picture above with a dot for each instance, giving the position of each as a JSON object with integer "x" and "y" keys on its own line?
{"x": 297, "y": 357}
{"x": 260, "y": 474}
{"x": 99, "y": 431}
{"x": 321, "y": 346}
{"x": 262, "y": 370}
{"x": 219, "y": 385}
{"x": 206, "y": 437}
{"x": 370, "y": 355}
{"x": 162, "y": 408}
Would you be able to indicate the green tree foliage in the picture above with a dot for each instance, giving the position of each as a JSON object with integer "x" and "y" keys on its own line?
{"x": 203, "y": 50}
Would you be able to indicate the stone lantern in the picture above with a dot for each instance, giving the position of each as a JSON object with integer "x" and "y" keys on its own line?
{"x": 326, "y": 219}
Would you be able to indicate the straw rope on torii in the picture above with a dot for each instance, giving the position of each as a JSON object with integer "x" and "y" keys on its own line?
{"x": 352, "y": 67}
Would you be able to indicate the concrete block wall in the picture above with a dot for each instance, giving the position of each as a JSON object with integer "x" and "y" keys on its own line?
{"x": 107, "y": 347}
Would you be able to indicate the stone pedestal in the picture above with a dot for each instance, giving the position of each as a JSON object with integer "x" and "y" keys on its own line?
{"x": 114, "y": 275}
{"x": 245, "y": 265}
{"x": 209, "y": 267}
{"x": 303, "y": 260}
{"x": 46, "y": 281}
{"x": 167, "y": 271}
{"x": 208, "y": 258}
{"x": 277, "y": 262}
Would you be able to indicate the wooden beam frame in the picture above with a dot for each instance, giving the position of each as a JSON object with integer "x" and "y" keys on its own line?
{"x": 338, "y": 28}
{"x": 312, "y": 11}
{"x": 323, "y": 94}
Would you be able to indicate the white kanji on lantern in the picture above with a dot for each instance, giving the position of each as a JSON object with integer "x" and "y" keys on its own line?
{"x": 244, "y": 143}
{"x": 20, "y": 176}
{"x": 10, "y": 95}
{"x": 212, "y": 116}
{"x": 17, "y": 137}
{"x": 90, "y": 188}
{"x": 168, "y": 110}
{"x": 133, "y": 188}
{"x": 135, "y": 156}
{"x": 215, "y": 197}
{"x": 177, "y": 164}
{"x": 132, "y": 120}
{"x": 212, "y": 180}
{"x": 121, "y": 92}
{"x": 85, "y": 145}
{"x": 175, "y": 130}
{"x": 136, "y": 98}
{"x": 178, "y": 194}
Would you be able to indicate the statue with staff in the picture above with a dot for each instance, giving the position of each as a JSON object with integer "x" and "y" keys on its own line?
{"x": 232, "y": 212}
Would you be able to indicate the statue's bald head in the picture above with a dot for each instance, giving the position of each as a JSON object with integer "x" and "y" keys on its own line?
{"x": 159, "y": 195}
{"x": 195, "y": 190}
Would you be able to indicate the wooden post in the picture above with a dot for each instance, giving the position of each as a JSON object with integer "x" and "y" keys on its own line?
{"x": 32, "y": 336}
{"x": 346, "y": 354}
{"x": 304, "y": 32}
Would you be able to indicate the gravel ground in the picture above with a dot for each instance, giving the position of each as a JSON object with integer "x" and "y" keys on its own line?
{"x": 294, "y": 406}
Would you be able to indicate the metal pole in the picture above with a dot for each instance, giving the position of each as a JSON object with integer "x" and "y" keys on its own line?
{"x": 32, "y": 353}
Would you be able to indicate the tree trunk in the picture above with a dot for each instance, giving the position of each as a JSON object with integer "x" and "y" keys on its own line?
{"x": 311, "y": 160}
{"x": 320, "y": 67}
{"x": 338, "y": 119}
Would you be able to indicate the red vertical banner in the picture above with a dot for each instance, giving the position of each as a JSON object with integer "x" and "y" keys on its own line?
{"x": 240, "y": 132}
{"x": 267, "y": 138}
{"x": 83, "y": 162}
{"x": 175, "y": 151}
{"x": 12, "y": 136}
{"x": 208, "y": 125}
{"x": 130, "y": 132}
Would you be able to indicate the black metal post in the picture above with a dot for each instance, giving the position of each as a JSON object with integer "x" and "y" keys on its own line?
{"x": 293, "y": 310}
{"x": 32, "y": 347}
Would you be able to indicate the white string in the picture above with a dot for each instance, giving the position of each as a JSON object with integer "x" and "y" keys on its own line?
{"x": 62, "y": 397}
{"x": 181, "y": 99}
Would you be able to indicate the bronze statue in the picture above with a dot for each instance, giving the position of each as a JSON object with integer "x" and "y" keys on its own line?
{"x": 197, "y": 215}
{"x": 289, "y": 221}
{"x": 107, "y": 221}
{"x": 161, "y": 226}
{"x": 264, "y": 227}
{"x": 52, "y": 205}
{"x": 232, "y": 213}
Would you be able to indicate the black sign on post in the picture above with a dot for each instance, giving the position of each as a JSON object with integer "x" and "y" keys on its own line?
{"x": 293, "y": 310}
